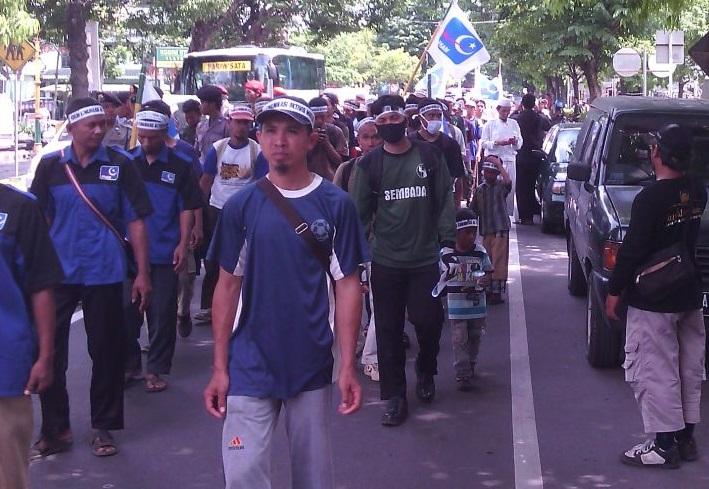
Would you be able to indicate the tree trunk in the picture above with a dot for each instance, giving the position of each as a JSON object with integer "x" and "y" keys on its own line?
{"x": 590, "y": 71}
{"x": 76, "y": 14}
{"x": 680, "y": 87}
{"x": 574, "y": 82}
{"x": 202, "y": 34}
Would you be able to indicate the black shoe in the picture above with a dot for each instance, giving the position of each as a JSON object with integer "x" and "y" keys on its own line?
{"x": 465, "y": 384}
{"x": 425, "y": 387}
{"x": 184, "y": 326}
{"x": 687, "y": 449}
{"x": 648, "y": 454}
{"x": 406, "y": 341}
{"x": 396, "y": 412}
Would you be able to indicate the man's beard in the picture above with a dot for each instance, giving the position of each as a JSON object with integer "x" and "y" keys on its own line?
{"x": 281, "y": 168}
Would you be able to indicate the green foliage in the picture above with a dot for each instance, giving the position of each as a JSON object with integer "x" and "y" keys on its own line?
{"x": 114, "y": 56}
{"x": 16, "y": 24}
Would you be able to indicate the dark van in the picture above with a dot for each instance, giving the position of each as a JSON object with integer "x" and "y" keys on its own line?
{"x": 610, "y": 165}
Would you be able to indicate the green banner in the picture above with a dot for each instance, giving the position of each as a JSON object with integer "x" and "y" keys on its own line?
{"x": 169, "y": 57}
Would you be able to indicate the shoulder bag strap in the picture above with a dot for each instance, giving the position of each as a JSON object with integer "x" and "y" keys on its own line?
{"x": 299, "y": 225}
{"x": 77, "y": 186}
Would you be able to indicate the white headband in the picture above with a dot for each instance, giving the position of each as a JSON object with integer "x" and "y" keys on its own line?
{"x": 319, "y": 110}
{"x": 258, "y": 106}
{"x": 286, "y": 105}
{"x": 388, "y": 109}
{"x": 430, "y": 108}
{"x": 411, "y": 107}
{"x": 84, "y": 112}
{"x": 151, "y": 120}
{"x": 366, "y": 120}
{"x": 466, "y": 223}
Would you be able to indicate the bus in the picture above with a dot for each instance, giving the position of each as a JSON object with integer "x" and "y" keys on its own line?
{"x": 300, "y": 73}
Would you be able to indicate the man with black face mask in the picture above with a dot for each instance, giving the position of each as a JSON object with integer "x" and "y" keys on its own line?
{"x": 407, "y": 185}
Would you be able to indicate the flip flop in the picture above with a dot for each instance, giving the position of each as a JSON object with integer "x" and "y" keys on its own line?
{"x": 102, "y": 444}
{"x": 46, "y": 446}
{"x": 154, "y": 383}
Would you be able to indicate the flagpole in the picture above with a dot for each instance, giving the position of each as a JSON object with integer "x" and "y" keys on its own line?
{"x": 433, "y": 36}
{"x": 136, "y": 107}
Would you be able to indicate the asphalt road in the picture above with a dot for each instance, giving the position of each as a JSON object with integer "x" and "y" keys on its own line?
{"x": 570, "y": 422}
{"x": 7, "y": 163}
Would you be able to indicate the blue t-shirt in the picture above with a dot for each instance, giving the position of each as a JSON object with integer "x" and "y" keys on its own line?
{"x": 283, "y": 341}
{"x": 28, "y": 264}
{"x": 186, "y": 149}
{"x": 260, "y": 167}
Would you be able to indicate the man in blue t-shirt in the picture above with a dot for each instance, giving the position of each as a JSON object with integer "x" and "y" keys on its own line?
{"x": 274, "y": 310}
{"x": 29, "y": 269}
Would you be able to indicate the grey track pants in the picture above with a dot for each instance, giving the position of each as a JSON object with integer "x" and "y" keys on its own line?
{"x": 664, "y": 364}
{"x": 248, "y": 432}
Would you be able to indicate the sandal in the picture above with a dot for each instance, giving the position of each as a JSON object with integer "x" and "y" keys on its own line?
{"x": 102, "y": 444}
{"x": 47, "y": 446}
{"x": 154, "y": 383}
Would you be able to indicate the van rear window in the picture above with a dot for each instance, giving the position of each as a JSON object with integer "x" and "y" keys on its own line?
{"x": 628, "y": 161}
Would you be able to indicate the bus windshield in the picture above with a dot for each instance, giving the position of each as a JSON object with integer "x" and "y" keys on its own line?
{"x": 298, "y": 75}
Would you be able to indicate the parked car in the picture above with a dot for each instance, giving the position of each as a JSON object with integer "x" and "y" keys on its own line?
{"x": 557, "y": 148}
{"x": 609, "y": 166}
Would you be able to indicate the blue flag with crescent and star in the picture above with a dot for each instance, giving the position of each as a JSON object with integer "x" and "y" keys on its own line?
{"x": 456, "y": 46}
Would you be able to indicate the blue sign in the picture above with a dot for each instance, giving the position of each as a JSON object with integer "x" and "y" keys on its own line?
{"x": 458, "y": 42}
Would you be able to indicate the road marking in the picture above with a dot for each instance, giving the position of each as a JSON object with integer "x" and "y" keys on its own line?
{"x": 77, "y": 316}
{"x": 528, "y": 467}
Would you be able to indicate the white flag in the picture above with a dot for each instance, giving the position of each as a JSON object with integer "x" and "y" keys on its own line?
{"x": 439, "y": 79}
{"x": 456, "y": 46}
{"x": 149, "y": 93}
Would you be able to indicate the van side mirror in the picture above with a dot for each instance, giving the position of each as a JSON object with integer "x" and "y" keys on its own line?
{"x": 578, "y": 171}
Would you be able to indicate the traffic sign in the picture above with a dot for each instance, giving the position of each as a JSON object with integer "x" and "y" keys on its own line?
{"x": 627, "y": 62}
{"x": 669, "y": 47}
{"x": 169, "y": 57}
{"x": 15, "y": 56}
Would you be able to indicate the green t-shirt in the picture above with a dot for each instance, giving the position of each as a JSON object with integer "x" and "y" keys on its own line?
{"x": 406, "y": 233}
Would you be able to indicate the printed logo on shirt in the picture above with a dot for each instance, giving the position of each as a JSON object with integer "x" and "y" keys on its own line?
{"x": 3, "y": 220}
{"x": 421, "y": 171}
{"x": 235, "y": 444}
{"x": 167, "y": 177}
{"x": 320, "y": 229}
{"x": 229, "y": 170}
{"x": 405, "y": 193}
{"x": 109, "y": 172}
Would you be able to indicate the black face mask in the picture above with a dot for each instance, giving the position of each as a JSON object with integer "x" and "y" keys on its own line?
{"x": 392, "y": 133}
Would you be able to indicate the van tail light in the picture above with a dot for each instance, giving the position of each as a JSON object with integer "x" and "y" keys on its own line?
{"x": 610, "y": 254}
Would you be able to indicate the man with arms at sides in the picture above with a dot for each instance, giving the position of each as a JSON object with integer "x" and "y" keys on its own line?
{"x": 280, "y": 356}
{"x": 93, "y": 257}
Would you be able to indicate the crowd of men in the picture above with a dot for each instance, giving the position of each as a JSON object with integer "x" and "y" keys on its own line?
{"x": 321, "y": 210}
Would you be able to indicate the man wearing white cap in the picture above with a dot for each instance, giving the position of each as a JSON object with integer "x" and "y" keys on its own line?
{"x": 502, "y": 138}
{"x": 174, "y": 195}
{"x": 274, "y": 309}
{"x": 228, "y": 167}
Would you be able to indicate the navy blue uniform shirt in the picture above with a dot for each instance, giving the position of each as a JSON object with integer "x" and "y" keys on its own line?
{"x": 89, "y": 252}
{"x": 172, "y": 188}
{"x": 28, "y": 264}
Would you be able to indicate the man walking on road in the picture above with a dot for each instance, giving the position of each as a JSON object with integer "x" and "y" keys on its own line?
{"x": 29, "y": 269}
{"x": 407, "y": 186}
{"x": 665, "y": 336}
{"x": 533, "y": 126}
{"x": 174, "y": 194}
{"x": 502, "y": 138}
{"x": 284, "y": 280}
{"x": 89, "y": 241}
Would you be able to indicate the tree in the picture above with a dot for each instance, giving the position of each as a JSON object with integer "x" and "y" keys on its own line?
{"x": 16, "y": 24}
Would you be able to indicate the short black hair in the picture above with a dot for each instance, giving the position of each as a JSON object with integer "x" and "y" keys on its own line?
{"x": 465, "y": 214}
{"x": 316, "y": 102}
{"x": 378, "y": 105}
{"x": 79, "y": 103}
{"x": 675, "y": 143}
{"x": 332, "y": 97}
{"x": 123, "y": 96}
{"x": 108, "y": 98}
{"x": 191, "y": 105}
{"x": 528, "y": 101}
{"x": 157, "y": 106}
{"x": 210, "y": 93}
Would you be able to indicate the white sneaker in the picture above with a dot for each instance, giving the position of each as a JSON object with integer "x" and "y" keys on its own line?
{"x": 648, "y": 454}
{"x": 372, "y": 371}
{"x": 203, "y": 316}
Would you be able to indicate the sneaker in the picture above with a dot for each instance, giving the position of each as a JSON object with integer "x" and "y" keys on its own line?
{"x": 687, "y": 449}
{"x": 465, "y": 384}
{"x": 184, "y": 326}
{"x": 371, "y": 370}
{"x": 648, "y": 454}
{"x": 203, "y": 316}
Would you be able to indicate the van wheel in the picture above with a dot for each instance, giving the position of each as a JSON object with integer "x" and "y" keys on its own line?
{"x": 575, "y": 279}
{"x": 602, "y": 341}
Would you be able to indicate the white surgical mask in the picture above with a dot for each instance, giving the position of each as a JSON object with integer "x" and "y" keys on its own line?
{"x": 434, "y": 127}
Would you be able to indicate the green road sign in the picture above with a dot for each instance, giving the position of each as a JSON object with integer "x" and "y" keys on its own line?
{"x": 169, "y": 57}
